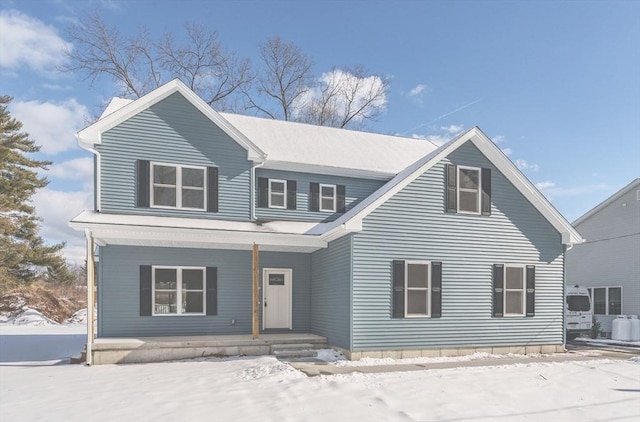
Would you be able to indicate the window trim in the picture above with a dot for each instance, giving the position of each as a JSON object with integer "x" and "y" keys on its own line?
{"x": 606, "y": 299}
{"x": 459, "y": 189}
{"x": 178, "y": 186}
{"x": 284, "y": 193}
{"x": 320, "y": 196}
{"x": 406, "y": 288}
{"x": 523, "y": 290}
{"x": 179, "y": 269}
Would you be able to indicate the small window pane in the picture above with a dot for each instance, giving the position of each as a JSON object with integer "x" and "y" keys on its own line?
{"x": 192, "y": 279}
{"x": 193, "y": 198}
{"x": 166, "y": 302}
{"x": 469, "y": 178}
{"x": 417, "y": 302}
{"x": 599, "y": 302}
{"x": 193, "y": 177}
{"x": 513, "y": 302}
{"x": 469, "y": 201}
{"x": 193, "y": 302}
{"x": 417, "y": 275}
{"x": 277, "y": 187}
{"x": 164, "y": 175}
{"x": 164, "y": 196}
{"x": 166, "y": 279}
{"x": 277, "y": 200}
{"x": 276, "y": 279}
{"x": 514, "y": 278}
{"x": 615, "y": 301}
{"x": 327, "y": 204}
{"x": 327, "y": 191}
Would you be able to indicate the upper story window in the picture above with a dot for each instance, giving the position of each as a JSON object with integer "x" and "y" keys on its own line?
{"x": 178, "y": 186}
{"x": 468, "y": 190}
{"x": 277, "y": 193}
{"x": 328, "y": 198}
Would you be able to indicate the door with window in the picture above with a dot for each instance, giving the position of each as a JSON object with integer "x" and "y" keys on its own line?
{"x": 277, "y": 298}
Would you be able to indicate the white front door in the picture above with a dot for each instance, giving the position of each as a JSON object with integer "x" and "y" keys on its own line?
{"x": 276, "y": 298}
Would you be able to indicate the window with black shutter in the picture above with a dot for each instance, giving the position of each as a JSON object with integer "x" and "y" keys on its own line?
{"x": 468, "y": 190}
{"x": 417, "y": 289}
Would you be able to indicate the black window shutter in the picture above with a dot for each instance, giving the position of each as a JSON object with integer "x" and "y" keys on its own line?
{"x": 452, "y": 182}
{"x": 143, "y": 170}
{"x": 314, "y": 193}
{"x": 291, "y": 194}
{"x": 212, "y": 291}
{"x": 436, "y": 289}
{"x": 531, "y": 290}
{"x": 486, "y": 191}
{"x": 145, "y": 290}
{"x": 398, "y": 289}
{"x": 263, "y": 192}
{"x": 212, "y": 189}
{"x": 498, "y": 292}
{"x": 341, "y": 192}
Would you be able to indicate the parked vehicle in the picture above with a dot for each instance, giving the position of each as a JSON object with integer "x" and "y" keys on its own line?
{"x": 579, "y": 314}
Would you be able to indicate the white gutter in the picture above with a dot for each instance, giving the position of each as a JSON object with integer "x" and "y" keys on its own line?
{"x": 96, "y": 173}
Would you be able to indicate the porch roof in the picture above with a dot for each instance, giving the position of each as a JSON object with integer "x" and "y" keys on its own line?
{"x": 145, "y": 230}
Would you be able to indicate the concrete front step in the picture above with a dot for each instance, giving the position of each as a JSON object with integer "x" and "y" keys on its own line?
{"x": 292, "y": 354}
{"x": 292, "y": 346}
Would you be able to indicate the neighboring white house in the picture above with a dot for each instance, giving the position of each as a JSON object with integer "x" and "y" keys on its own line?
{"x": 608, "y": 263}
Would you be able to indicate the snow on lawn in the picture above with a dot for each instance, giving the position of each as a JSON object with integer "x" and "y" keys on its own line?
{"x": 262, "y": 388}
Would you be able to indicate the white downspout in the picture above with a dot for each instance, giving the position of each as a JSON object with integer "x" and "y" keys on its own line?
{"x": 90, "y": 296}
{"x": 253, "y": 190}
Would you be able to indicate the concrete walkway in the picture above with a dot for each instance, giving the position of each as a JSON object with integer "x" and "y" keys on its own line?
{"x": 313, "y": 369}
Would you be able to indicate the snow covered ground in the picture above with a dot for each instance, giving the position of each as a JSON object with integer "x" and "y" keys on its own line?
{"x": 262, "y": 388}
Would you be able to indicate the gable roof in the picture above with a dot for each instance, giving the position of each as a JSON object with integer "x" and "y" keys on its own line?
{"x": 120, "y": 110}
{"x": 635, "y": 184}
{"x": 310, "y": 148}
{"x": 352, "y": 220}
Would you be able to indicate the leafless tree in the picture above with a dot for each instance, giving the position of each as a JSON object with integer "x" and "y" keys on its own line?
{"x": 283, "y": 78}
{"x": 139, "y": 64}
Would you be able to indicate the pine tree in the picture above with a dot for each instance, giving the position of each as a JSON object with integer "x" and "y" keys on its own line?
{"x": 24, "y": 256}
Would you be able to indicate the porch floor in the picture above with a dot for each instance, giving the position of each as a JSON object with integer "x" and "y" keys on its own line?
{"x": 156, "y": 349}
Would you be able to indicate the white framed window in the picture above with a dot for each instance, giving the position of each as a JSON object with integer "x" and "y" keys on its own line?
{"x": 514, "y": 290}
{"x": 469, "y": 192}
{"x": 417, "y": 288}
{"x": 178, "y": 186}
{"x": 606, "y": 300}
{"x": 328, "y": 198}
{"x": 178, "y": 290}
{"x": 277, "y": 193}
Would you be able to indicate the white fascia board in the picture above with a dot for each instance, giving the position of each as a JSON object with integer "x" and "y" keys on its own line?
{"x": 198, "y": 238}
{"x": 327, "y": 170}
{"x": 93, "y": 134}
{"x": 356, "y": 215}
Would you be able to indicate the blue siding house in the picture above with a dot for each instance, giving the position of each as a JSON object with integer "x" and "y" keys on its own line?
{"x": 214, "y": 224}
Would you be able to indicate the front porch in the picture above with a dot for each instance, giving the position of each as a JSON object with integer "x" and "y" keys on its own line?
{"x": 158, "y": 349}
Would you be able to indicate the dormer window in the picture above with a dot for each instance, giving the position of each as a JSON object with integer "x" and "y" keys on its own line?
{"x": 176, "y": 186}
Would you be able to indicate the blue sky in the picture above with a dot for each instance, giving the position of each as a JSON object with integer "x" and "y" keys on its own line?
{"x": 555, "y": 83}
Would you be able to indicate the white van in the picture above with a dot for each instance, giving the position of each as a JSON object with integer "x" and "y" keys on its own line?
{"x": 579, "y": 317}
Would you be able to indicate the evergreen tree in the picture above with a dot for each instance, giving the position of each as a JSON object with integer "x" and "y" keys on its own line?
{"x": 24, "y": 256}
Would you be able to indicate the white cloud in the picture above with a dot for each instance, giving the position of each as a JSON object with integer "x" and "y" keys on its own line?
{"x": 453, "y": 129}
{"x": 545, "y": 185}
{"x": 437, "y": 140}
{"x": 75, "y": 169}
{"x": 56, "y": 208}
{"x": 51, "y": 125}
{"x": 523, "y": 165}
{"x": 417, "y": 90}
{"x": 27, "y": 41}
{"x": 498, "y": 138}
{"x": 507, "y": 151}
